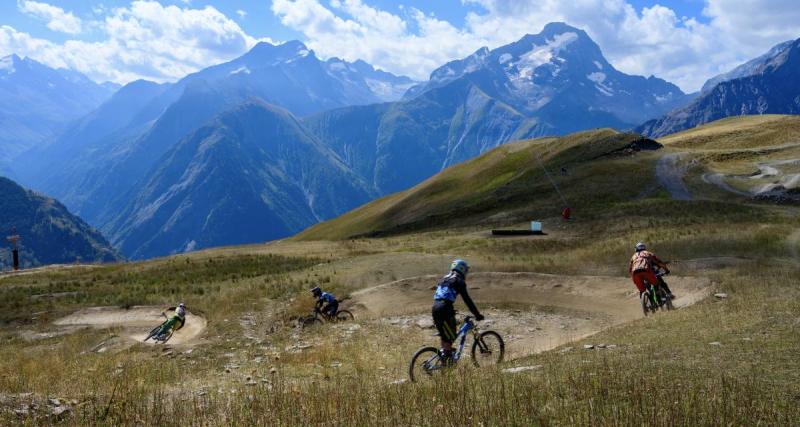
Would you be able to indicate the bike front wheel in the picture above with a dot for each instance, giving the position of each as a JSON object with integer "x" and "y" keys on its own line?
{"x": 344, "y": 315}
{"x": 154, "y": 332}
{"x": 309, "y": 322}
{"x": 489, "y": 349}
{"x": 425, "y": 364}
{"x": 169, "y": 335}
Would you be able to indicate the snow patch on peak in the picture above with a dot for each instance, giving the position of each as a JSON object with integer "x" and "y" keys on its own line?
{"x": 7, "y": 65}
{"x": 598, "y": 65}
{"x": 504, "y": 58}
{"x": 597, "y": 77}
{"x": 338, "y": 66}
{"x": 240, "y": 70}
{"x": 302, "y": 52}
{"x": 599, "y": 83}
{"x": 541, "y": 55}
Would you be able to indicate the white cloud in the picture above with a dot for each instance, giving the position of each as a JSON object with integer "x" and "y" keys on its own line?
{"x": 378, "y": 37}
{"x": 652, "y": 40}
{"x": 242, "y": 13}
{"x": 144, "y": 40}
{"x": 57, "y": 19}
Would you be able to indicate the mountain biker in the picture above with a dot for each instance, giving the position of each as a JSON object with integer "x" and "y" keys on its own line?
{"x": 177, "y": 320}
{"x": 444, "y": 315}
{"x": 643, "y": 266}
{"x": 325, "y": 298}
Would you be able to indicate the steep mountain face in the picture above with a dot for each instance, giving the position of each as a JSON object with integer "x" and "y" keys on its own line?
{"x": 553, "y": 83}
{"x": 395, "y": 146}
{"x": 749, "y": 68}
{"x": 560, "y": 70}
{"x": 105, "y": 154}
{"x": 251, "y": 174}
{"x": 37, "y": 102}
{"x": 50, "y": 234}
{"x": 772, "y": 88}
{"x": 384, "y": 86}
{"x": 291, "y": 75}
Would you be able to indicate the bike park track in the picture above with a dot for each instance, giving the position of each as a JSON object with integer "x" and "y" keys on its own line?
{"x": 534, "y": 312}
{"x": 135, "y": 323}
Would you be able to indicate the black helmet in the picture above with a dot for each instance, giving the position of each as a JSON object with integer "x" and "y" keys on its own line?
{"x": 316, "y": 291}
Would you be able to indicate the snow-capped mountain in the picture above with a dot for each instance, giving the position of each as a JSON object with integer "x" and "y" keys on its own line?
{"x": 292, "y": 76}
{"x": 385, "y": 86}
{"x": 559, "y": 69}
{"x": 37, "y": 101}
{"x": 770, "y": 84}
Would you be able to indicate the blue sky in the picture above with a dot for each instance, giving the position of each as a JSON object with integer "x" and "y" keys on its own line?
{"x": 683, "y": 41}
{"x": 261, "y": 22}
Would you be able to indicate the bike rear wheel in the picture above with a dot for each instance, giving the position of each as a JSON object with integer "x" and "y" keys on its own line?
{"x": 344, "y": 315}
{"x": 489, "y": 349}
{"x": 645, "y": 303}
{"x": 425, "y": 364}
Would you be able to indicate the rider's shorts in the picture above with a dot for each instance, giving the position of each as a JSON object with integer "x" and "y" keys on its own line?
{"x": 444, "y": 317}
{"x": 640, "y": 276}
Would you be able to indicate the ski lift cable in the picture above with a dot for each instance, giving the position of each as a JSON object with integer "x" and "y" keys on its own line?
{"x": 550, "y": 178}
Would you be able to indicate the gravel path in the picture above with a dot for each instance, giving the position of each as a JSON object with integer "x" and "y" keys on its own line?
{"x": 670, "y": 173}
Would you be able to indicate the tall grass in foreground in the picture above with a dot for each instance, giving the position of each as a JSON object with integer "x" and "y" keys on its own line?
{"x": 601, "y": 391}
{"x": 665, "y": 371}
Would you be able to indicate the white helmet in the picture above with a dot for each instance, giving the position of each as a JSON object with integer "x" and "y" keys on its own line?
{"x": 181, "y": 310}
{"x": 640, "y": 246}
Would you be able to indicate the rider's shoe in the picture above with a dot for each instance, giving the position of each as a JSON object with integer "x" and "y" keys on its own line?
{"x": 446, "y": 357}
{"x": 670, "y": 295}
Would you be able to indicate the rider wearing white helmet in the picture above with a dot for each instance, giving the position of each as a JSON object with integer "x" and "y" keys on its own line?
{"x": 177, "y": 320}
{"x": 444, "y": 315}
{"x": 642, "y": 267}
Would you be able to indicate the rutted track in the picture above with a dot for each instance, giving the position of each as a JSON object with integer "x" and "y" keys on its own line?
{"x": 135, "y": 322}
{"x": 536, "y": 311}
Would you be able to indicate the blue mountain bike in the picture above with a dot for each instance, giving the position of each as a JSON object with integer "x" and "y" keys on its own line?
{"x": 488, "y": 349}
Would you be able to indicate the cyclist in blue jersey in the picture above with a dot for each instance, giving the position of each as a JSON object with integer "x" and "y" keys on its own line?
{"x": 327, "y": 299}
{"x": 444, "y": 315}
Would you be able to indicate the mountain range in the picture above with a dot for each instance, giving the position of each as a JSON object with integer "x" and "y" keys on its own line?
{"x": 37, "y": 102}
{"x": 50, "y": 234}
{"x": 552, "y": 83}
{"x": 276, "y": 140}
{"x": 769, "y": 84}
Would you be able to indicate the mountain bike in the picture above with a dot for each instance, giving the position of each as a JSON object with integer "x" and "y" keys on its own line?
{"x": 654, "y": 297}
{"x": 160, "y": 338}
{"x": 488, "y": 349}
{"x": 317, "y": 317}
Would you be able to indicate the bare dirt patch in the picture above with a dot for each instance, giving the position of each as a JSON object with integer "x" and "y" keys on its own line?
{"x": 535, "y": 312}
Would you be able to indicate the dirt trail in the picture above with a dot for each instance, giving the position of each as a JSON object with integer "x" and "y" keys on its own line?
{"x": 537, "y": 312}
{"x": 670, "y": 172}
{"x": 135, "y": 322}
{"x": 794, "y": 244}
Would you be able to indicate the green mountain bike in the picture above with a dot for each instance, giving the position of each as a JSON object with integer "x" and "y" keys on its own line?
{"x": 488, "y": 349}
{"x": 160, "y": 338}
{"x": 655, "y": 297}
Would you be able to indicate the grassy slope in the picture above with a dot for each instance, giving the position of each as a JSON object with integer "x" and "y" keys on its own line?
{"x": 664, "y": 372}
{"x": 504, "y": 185}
